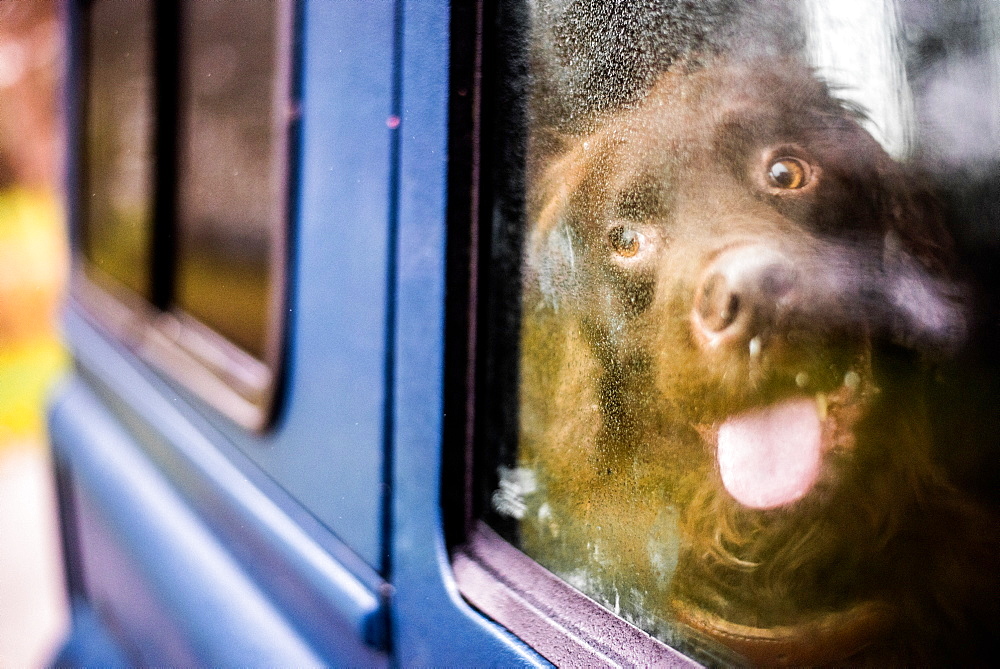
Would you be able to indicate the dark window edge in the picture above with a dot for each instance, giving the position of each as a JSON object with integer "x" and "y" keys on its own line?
{"x": 463, "y": 248}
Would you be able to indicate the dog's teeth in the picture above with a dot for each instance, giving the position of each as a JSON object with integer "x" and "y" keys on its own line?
{"x": 852, "y": 380}
{"x": 801, "y": 379}
{"x": 821, "y": 405}
{"x": 755, "y": 347}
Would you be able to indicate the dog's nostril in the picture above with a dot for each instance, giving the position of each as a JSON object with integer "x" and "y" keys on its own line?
{"x": 717, "y": 304}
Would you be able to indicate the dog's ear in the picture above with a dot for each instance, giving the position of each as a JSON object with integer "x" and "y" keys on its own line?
{"x": 554, "y": 244}
{"x": 916, "y": 215}
{"x": 918, "y": 258}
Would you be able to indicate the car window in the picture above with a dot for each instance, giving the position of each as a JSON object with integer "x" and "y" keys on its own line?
{"x": 120, "y": 117}
{"x": 234, "y": 123}
{"x": 755, "y": 361}
{"x": 187, "y": 117}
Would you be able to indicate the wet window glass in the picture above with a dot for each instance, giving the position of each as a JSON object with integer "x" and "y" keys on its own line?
{"x": 234, "y": 116}
{"x": 118, "y": 182}
{"x": 758, "y": 323}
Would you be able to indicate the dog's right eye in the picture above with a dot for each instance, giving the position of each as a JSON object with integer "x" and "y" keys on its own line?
{"x": 624, "y": 242}
{"x": 788, "y": 173}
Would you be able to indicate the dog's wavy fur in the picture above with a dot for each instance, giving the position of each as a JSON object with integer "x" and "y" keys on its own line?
{"x": 618, "y": 397}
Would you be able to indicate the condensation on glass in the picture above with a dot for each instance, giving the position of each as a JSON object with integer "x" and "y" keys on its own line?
{"x": 118, "y": 185}
{"x": 758, "y": 361}
{"x": 235, "y": 110}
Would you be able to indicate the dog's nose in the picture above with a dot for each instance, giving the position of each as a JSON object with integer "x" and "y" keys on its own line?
{"x": 742, "y": 293}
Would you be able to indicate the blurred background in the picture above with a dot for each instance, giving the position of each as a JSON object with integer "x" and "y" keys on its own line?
{"x": 33, "y": 271}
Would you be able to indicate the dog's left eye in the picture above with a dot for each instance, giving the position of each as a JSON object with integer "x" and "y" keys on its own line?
{"x": 624, "y": 242}
{"x": 788, "y": 173}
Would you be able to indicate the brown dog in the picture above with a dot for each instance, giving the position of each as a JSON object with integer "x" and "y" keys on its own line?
{"x": 732, "y": 298}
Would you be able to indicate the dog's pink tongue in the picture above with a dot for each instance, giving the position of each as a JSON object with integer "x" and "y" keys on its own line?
{"x": 770, "y": 457}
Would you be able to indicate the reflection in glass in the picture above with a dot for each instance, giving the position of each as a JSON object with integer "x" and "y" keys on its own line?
{"x": 758, "y": 361}
{"x": 118, "y": 199}
{"x": 874, "y": 77}
{"x": 234, "y": 103}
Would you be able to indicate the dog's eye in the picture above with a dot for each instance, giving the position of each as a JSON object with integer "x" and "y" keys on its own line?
{"x": 624, "y": 242}
{"x": 788, "y": 173}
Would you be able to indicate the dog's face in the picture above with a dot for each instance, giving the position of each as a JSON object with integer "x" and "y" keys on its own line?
{"x": 749, "y": 287}
{"x": 741, "y": 243}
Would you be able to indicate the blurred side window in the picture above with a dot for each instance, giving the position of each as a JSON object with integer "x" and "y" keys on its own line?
{"x": 234, "y": 96}
{"x": 118, "y": 190}
{"x": 184, "y": 178}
